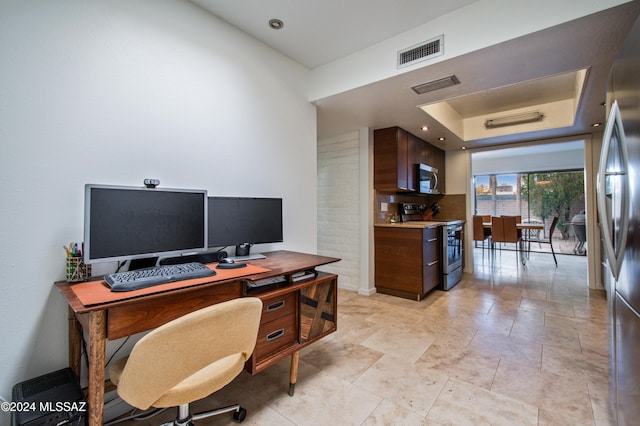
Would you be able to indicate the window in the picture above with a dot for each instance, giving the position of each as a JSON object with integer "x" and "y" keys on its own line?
{"x": 537, "y": 197}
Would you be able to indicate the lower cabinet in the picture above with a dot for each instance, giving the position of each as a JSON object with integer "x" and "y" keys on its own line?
{"x": 407, "y": 261}
{"x": 293, "y": 316}
{"x": 278, "y": 326}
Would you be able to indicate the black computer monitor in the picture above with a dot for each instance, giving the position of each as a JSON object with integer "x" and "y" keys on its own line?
{"x": 124, "y": 223}
{"x": 235, "y": 221}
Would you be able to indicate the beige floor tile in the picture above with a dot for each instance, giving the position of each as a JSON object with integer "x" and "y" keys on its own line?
{"x": 403, "y": 343}
{"x": 464, "y": 364}
{"x": 388, "y": 413}
{"x": 463, "y": 404}
{"x": 568, "y": 339}
{"x": 602, "y": 410}
{"x": 484, "y": 323}
{"x": 329, "y": 400}
{"x": 548, "y": 418}
{"x": 509, "y": 348}
{"x": 400, "y": 381}
{"x": 552, "y": 392}
{"x": 343, "y": 359}
{"x": 588, "y": 367}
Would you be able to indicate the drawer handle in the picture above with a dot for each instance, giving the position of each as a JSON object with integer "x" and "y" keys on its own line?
{"x": 432, "y": 240}
{"x": 433, "y": 263}
{"x": 275, "y": 306}
{"x": 274, "y": 335}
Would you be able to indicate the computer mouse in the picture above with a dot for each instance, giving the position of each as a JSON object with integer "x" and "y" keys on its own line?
{"x": 226, "y": 260}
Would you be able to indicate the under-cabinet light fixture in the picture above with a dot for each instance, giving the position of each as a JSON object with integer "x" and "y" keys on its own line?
{"x": 510, "y": 120}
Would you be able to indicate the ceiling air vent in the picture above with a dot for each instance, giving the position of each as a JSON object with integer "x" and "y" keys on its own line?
{"x": 432, "y": 85}
{"x": 421, "y": 52}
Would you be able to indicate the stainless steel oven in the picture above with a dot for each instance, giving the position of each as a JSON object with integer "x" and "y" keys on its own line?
{"x": 452, "y": 250}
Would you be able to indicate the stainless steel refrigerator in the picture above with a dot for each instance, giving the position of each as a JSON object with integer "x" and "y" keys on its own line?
{"x": 618, "y": 196}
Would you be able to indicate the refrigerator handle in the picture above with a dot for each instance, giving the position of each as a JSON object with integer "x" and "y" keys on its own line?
{"x": 614, "y": 250}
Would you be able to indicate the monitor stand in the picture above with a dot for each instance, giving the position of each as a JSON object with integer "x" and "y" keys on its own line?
{"x": 242, "y": 253}
{"x": 255, "y": 256}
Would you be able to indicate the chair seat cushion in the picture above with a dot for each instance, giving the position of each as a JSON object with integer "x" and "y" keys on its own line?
{"x": 197, "y": 386}
{"x": 204, "y": 382}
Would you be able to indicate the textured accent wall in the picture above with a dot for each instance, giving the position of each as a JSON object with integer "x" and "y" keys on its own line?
{"x": 339, "y": 206}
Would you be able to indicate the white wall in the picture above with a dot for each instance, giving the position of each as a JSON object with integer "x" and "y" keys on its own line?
{"x": 481, "y": 24}
{"x": 113, "y": 92}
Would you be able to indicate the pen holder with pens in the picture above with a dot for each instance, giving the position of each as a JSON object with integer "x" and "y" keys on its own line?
{"x": 77, "y": 270}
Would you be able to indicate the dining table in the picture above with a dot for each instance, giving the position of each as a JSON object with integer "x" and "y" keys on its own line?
{"x": 525, "y": 226}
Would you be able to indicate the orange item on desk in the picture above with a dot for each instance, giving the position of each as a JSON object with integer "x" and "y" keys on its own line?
{"x": 97, "y": 292}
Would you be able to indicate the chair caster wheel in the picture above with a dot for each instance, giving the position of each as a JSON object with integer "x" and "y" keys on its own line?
{"x": 240, "y": 415}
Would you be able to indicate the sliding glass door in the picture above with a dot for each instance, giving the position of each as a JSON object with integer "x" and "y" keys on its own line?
{"x": 538, "y": 197}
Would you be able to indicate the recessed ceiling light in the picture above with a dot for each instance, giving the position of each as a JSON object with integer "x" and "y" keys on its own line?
{"x": 276, "y": 24}
{"x": 596, "y": 125}
{"x": 442, "y": 138}
{"x": 425, "y": 128}
{"x": 464, "y": 147}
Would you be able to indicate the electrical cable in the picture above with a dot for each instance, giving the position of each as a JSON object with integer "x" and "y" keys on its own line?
{"x": 114, "y": 354}
{"x": 120, "y": 265}
{"x": 144, "y": 415}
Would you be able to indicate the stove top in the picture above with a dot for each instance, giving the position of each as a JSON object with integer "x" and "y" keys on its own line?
{"x": 411, "y": 212}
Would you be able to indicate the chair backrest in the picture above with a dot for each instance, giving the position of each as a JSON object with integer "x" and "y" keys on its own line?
{"x": 180, "y": 348}
{"x": 478, "y": 228}
{"x": 554, "y": 222}
{"x": 510, "y": 229}
{"x": 497, "y": 229}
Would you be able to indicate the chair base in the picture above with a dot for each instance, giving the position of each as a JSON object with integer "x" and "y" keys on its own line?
{"x": 186, "y": 419}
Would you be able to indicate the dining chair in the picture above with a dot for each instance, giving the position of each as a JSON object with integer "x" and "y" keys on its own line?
{"x": 480, "y": 233}
{"x": 548, "y": 240}
{"x": 190, "y": 358}
{"x": 504, "y": 230}
{"x": 497, "y": 230}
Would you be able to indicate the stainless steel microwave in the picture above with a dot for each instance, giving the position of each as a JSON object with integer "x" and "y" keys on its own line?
{"x": 427, "y": 177}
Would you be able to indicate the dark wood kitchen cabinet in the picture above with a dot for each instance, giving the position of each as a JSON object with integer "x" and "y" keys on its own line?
{"x": 396, "y": 153}
{"x": 391, "y": 160}
{"x": 407, "y": 260}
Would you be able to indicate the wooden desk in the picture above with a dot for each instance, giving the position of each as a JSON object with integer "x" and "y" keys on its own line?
{"x": 294, "y": 315}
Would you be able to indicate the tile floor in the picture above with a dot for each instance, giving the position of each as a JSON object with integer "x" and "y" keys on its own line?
{"x": 506, "y": 346}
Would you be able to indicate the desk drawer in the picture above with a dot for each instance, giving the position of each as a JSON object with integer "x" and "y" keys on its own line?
{"x": 276, "y": 335}
{"x": 276, "y": 307}
{"x": 137, "y": 315}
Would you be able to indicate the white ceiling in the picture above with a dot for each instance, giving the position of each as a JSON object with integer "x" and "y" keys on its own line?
{"x": 516, "y": 73}
{"x": 317, "y": 32}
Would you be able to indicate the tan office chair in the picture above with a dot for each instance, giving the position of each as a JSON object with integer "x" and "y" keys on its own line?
{"x": 190, "y": 358}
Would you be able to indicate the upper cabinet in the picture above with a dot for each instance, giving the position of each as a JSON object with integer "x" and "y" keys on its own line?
{"x": 395, "y": 155}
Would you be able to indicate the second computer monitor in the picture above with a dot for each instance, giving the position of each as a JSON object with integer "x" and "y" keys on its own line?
{"x": 234, "y": 221}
